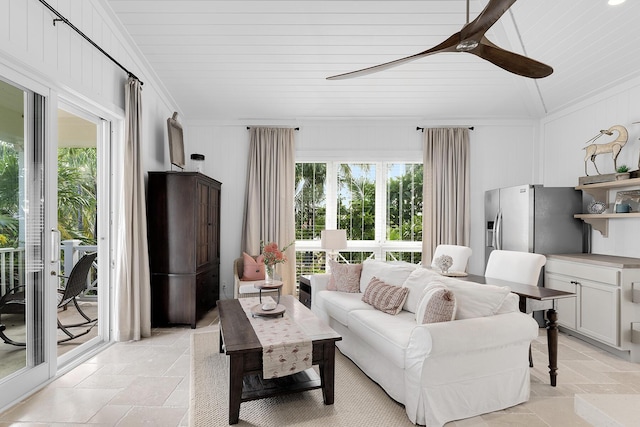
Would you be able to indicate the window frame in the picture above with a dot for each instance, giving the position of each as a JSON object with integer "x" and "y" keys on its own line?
{"x": 379, "y": 246}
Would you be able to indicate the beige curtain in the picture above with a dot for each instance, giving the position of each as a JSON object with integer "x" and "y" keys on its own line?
{"x": 132, "y": 290}
{"x": 269, "y": 211}
{"x": 445, "y": 189}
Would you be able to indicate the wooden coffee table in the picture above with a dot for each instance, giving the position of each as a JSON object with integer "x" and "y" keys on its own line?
{"x": 239, "y": 341}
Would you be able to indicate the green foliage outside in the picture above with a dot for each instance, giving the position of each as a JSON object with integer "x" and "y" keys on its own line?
{"x": 76, "y": 195}
{"x": 8, "y": 196}
{"x": 77, "y": 177}
{"x": 356, "y": 208}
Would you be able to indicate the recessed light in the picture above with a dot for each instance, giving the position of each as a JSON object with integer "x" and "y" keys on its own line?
{"x": 615, "y": 2}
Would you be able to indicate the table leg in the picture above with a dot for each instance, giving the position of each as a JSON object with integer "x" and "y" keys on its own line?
{"x": 327, "y": 372}
{"x": 236, "y": 363}
{"x": 552, "y": 344}
{"x": 523, "y": 309}
{"x": 221, "y": 340}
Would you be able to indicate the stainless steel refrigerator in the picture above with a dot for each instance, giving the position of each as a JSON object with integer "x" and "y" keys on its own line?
{"x": 533, "y": 218}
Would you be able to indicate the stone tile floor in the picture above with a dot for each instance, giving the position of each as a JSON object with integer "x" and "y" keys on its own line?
{"x": 147, "y": 382}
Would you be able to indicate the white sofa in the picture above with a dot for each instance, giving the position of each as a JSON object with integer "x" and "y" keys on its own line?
{"x": 439, "y": 371}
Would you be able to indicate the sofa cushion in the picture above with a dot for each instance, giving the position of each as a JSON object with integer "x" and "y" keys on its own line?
{"x": 392, "y": 273}
{"x": 338, "y": 304}
{"x": 437, "y": 305}
{"x": 253, "y": 268}
{"x": 474, "y": 299}
{"x": 387, "y": 335}
{"x": 344, "y": 277}
{"x": 416, "y": 283}
{"x": 385, "y": 297}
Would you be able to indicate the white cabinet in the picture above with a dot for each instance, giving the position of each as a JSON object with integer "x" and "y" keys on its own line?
{"x": 566, "y": 307}
{"x": 598, "y": 307}
{"x": 604, "y": 308}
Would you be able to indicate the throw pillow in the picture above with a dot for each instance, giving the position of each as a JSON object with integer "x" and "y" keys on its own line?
{"x": 417, "y": 282}
{"x": 476, "y": 300}
{"x": 438, "y": 305}
{"x": 392, "y": 273}
{"x": 253, "y": 267}
{"x": 386, "y": 298}
{"x": 344, "y": 277}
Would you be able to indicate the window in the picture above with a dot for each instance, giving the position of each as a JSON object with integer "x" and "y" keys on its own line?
{"x": 378, "y": 203}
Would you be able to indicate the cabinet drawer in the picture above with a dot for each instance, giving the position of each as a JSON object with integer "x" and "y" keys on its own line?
{"x": 584, "y": 271}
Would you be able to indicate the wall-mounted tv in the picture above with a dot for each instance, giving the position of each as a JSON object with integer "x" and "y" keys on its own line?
{"x": 176, "y": 141}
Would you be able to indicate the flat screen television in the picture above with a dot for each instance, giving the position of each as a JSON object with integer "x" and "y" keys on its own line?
{"x": 176, "y": 141}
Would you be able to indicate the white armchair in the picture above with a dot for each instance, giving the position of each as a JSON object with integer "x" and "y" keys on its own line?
{"x": 459, "y": 254}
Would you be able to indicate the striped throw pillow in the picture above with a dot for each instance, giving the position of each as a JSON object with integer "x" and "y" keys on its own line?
{"x": 384, "y": 297}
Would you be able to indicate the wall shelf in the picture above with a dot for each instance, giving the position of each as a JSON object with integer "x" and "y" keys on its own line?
{"x": 600, "y": 191}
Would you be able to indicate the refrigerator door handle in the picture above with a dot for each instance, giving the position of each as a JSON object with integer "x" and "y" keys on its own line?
{"x": 494, "y": 231}
{"x": 498, "y": 234}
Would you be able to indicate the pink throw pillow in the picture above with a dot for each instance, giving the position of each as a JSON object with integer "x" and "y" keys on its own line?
{"x": 344, "y": 277}
{"x": 253, "y": 268}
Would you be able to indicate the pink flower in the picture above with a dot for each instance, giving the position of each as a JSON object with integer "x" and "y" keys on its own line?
{"x": 273, "y": 255}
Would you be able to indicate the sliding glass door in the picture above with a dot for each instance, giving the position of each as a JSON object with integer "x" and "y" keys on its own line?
{"x": 24, "y": 362}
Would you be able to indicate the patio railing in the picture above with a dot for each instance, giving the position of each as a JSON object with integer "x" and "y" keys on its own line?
{"x": 12, "y": 266}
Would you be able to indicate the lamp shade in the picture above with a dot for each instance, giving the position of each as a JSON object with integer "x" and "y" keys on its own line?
{"x": 333, "y": 239}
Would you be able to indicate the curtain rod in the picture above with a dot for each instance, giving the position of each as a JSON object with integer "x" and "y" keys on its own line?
{"x": 74, "y": 28}
{"x": 249, "y": 127}
{"x": 422, "y": 129}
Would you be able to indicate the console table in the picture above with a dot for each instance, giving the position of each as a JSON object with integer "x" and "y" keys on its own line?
{"x": 540, "y": 294}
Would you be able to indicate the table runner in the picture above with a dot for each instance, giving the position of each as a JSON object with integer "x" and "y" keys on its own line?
{"x": 286, "y": 349}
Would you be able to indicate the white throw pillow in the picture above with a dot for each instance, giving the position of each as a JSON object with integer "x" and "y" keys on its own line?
{"x": 474, "y": 299}
{"x": 391, "y": 273}
{"x": 417, "y": 282}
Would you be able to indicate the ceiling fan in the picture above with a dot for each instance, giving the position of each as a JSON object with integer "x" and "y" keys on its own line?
{"x": 471, "y": 39}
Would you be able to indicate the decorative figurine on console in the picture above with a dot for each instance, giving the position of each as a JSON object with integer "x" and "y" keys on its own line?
{"x": 444, "y": 263}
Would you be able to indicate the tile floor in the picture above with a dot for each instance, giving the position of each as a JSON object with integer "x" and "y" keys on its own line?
{"x": 147, "y": 382}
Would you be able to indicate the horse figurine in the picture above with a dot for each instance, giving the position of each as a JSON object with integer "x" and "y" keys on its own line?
{"x": 612, "y": 147}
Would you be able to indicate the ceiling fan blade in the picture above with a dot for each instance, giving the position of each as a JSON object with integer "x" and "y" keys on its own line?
{"x": 511, "y": 61}
{"x": 489, "y": 15}
{"x": 449, "y": 45}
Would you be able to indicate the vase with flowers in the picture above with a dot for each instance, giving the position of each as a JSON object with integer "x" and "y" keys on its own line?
{"x": 272, "y": 256}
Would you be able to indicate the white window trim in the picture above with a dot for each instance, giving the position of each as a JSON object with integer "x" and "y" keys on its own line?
{"x": 379, "y": 246}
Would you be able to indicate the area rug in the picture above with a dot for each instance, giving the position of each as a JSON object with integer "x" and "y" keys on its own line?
{"x": 358, "y": 400}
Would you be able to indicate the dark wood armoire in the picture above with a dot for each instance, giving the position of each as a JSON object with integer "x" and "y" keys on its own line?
{"x": 183, "y": 222}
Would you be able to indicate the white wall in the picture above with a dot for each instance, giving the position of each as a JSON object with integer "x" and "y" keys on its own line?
{"x": 563, "y": 138}
{"x": 502, "y": 154}
{"x": 63, "y": 61}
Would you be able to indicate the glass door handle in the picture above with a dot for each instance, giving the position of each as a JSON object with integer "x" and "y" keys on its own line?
{"x": 55, "y": 245}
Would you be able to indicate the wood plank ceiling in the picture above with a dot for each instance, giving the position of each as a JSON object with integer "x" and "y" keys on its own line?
{"x": 238, "y": 60}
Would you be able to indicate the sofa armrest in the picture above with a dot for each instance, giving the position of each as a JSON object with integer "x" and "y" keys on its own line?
{"x": 442, "y": 356}
{"x": 318, "y": 283}
{"x": 475, "y": 334}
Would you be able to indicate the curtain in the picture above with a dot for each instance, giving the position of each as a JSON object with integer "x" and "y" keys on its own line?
{"x": 445, "y": 190}
{"x": 269, "y": 209}
{"x": 132, "y": 290}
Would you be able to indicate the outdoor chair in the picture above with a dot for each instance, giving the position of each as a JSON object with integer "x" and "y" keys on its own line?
{"x": 76, "y": 284}
{"x": 14, "y": 301}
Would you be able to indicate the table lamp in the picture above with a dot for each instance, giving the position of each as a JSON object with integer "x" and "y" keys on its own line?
{"x": 333, "y": 241}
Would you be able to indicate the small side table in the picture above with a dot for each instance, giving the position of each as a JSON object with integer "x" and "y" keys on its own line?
{"x": 305, "y": 291}
{"x": 270, "y": 286}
